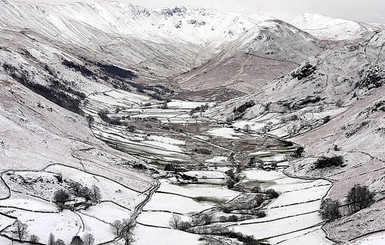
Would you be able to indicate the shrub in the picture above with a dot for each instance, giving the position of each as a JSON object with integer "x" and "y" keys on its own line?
{"x": 260, "y": 214}
{"x": 233, "y": 218}
{"x": 244, "y": 107}
{"x": 201, "y": 108}
{"x": 359, "y": 197}
{"x": 226, "y": 209}
{"x": 206, "y": 219}
{"x": 60, "y": 197}
{"x": 184, "y": 225}
{"x": 76, "y": 240}
{"x": 298, "y": 152}
{"x": 330, "y": 209}
{"x": 325, "y": 162}
{"x": 59, "y": 242}
{"x": 33, "y": 239}
{"x": 203, "y": 151}
{"x": 256, "y": 189}
{"x": 272, "y": 193}
{"x": 258, "y": 200}
{"x": 230, "y": 183}
{"x": 95, "y": 194}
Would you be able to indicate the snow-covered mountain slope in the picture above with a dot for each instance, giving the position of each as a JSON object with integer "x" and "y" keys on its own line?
{"x": 271, "y": 49}
{"x": 145, "y": 40}
{"x": 157, "y": 45}
{"x": 43, "y": 147}
{"x": 79, "y": 57}
{"x": 332, "y": 105}
{"x": 329, "y": 28}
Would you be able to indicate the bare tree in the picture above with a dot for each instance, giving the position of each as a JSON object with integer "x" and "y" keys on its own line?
{"x": 21, "y": 230}
{"x": 123, "y": 229}
{"x": 117, "y": 227}
{"x": 127, "y": 237}
{"x": 175, "y": 221}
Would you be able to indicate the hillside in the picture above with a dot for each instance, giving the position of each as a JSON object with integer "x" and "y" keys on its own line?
{"x": 120, "y": 124}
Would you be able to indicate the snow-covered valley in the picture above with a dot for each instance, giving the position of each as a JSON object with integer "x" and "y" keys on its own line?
{"x": 123, "y": 125}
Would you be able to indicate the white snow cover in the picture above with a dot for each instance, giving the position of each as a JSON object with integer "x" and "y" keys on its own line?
{"x": 374, "y": 239}
{"x": 175, "y": 203}
{"x": 159, "y": 236}
{"x": 217, "y": 159}
{"x": 325, "y": 27}
{"x": 227, "y": 133}
{"x": 293, "y": 216}
{"x": 161, "y": 219}
{"x": 107, "y": 212}
{"x": 199, "y": 190}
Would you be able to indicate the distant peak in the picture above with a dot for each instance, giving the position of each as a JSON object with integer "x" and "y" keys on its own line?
{"x": 330, "y": 28}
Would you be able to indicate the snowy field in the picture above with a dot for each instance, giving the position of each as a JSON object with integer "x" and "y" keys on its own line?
{"x": 293, "y": 217}
{"x": 43, "y": 217}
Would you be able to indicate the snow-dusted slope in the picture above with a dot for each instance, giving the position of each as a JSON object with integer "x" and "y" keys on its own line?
{"x": 241, "y": 53}
{"x": 332, "y": 105}
{"x": 271, "y": 49}
{"x": 329, "y": 28}
{"x": 134, "y": 37}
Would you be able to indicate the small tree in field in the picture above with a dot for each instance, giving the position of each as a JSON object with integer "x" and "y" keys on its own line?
{"x": 117, "y": 227}
{"x": 21, "y": 230}
{"x": 60, "y": 197}
{"x": 95, "y": 194}
{"x": 51, "y": 239}
{"x": 33, "y": 239}
{"x": 76, "y": 240}
{"x": 330, "y": 209}
{"x": 60, "y": 242}
{"x": 175, "y": 221}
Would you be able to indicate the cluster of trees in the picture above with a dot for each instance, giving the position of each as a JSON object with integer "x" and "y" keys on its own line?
{"x": 177, "y": 223}
{"x": 88, "y": 239}
{"x": 21, "y": 233}
{"x": 324, "y": 162}
{"x": 242, "y": 108}
{"x": 91, "y": 195}
{"x": 359, "y": 197}
{"x": 205, "y": 219}
{"x": 120, "y": 228}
